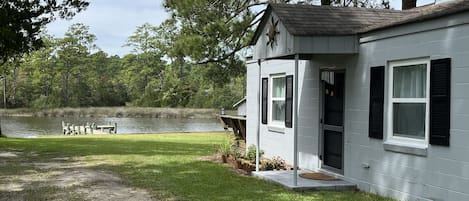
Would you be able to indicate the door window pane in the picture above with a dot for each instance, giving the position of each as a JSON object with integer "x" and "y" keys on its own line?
{"x": 334, "y": 98}
{"x": 409, "y": 120}
{"x": 333, "y": 142}
{"x": 410, "y": 81}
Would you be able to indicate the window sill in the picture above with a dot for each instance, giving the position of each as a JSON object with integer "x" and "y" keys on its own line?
{"x": 413, "y": 149}
{"x": 277, "y": 129}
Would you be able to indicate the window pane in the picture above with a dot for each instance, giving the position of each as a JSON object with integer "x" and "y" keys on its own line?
{"x": 278, "y": 110}
{"x": 409, "y": 120}
{"x": 410, "y": 81}
{"x": 278, "y": 87}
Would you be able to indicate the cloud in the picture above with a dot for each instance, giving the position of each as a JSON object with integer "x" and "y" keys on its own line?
{"x": 113, "y": 21}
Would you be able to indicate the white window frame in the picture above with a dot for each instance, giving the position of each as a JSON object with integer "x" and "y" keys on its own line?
{"x": 401, "y": 140}
{"x": 275, "y": 125}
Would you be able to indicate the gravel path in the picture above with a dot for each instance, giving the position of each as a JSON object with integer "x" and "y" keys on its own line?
{"x": 60, "y": 179}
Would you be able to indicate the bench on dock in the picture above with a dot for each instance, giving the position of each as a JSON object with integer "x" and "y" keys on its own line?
{"x": 111, "y": 128}
{"x": 88, "y": 128}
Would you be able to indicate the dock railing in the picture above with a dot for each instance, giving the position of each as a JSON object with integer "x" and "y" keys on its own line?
{"x": 88, "y": 128}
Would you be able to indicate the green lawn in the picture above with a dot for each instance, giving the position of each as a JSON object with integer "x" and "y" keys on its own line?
{"x": 165, "y": 165}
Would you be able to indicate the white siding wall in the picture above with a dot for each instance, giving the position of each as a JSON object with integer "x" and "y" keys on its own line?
{"x": 242, "y": 109}
{"x": 252, "y": 101}
{"x": 282, "y": 46}
{"x": 444, "y": 173}
{"x": 441, "y": 175}
{"x": 281, "y": 144}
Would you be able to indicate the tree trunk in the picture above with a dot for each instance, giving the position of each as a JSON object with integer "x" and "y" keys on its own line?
{"x": 66, "y": 82}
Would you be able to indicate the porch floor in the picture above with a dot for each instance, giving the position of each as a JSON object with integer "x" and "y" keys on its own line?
{"x": 285, "y": 178}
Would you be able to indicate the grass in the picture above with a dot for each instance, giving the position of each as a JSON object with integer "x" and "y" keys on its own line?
{"x": 166, "y": 165}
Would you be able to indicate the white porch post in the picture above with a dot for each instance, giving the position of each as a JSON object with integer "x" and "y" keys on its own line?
{"x": 295, "y": 123}
{"x": 258, "y": 116}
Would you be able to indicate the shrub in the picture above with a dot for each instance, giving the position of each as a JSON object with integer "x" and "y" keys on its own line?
{"x": 279, "y": 163}
{"x": 225, "y": 147}
{"x": 267, "y": 164}
{"x": 236, "y": 153}
{"x": 251, "y": 154}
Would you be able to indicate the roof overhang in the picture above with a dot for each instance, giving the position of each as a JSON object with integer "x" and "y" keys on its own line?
{"x": 239, "y": 102}
{"x": 287, "y": 44}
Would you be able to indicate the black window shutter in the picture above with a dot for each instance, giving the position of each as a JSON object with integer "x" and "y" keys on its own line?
{"x": 440, "y": 98}
{"x": 289, "y": 101}
{"x": 375, "y": 127}
{"x": 265, "y": 89}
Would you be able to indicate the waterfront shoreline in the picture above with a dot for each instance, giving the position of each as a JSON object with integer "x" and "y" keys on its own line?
{"x": 117, "y": 112}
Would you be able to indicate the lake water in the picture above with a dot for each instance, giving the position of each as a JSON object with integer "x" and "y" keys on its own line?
{"x": 33, "y": 126}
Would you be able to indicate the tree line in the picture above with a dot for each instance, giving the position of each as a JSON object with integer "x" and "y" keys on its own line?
{"x": 73, "y": 72}
{"x": 191, "y": 60}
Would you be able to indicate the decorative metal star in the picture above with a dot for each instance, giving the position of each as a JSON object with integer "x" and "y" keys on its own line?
{"x": 272, "y": 33}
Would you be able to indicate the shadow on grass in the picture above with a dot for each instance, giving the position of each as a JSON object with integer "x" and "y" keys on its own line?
{"x": 203, "y": 180}
{"x": 75, "y": 147}
{"x": 168, "y": 167}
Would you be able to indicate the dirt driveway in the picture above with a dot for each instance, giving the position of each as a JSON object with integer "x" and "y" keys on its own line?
{"x": 60, "y": 179}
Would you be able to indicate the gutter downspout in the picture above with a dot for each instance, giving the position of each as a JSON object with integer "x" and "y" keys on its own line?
{"x": 295, "y": 124}
{"x": 258, "y": 116}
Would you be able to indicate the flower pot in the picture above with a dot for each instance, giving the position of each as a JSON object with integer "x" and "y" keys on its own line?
{"x": 224, "y": 158}
{"x": 232, "y": 161}
{"x": 238, "y": 164}
{"x": 248, "y": 168}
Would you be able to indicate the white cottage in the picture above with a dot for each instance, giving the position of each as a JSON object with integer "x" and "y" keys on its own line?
{"x": 378, "y": 97}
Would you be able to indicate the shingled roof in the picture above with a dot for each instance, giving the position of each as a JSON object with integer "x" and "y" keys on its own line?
{"x": 309, "y": 20}
{"x": 329, "y": 20}
{"x": 423, "y": 13}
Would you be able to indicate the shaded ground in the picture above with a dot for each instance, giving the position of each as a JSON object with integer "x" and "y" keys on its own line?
{"x": 60, "y": 179}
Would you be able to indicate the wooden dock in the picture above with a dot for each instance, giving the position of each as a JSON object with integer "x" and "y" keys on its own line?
{"x": 237, "y": 123}
{"x": 88, "y": 128}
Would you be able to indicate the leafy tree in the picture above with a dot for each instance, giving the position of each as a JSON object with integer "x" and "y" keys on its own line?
{"x": 104, "y": 80}
{"x": 37, "y": 77}
{"x": 144, "y": 70}
{"x": 142, "y": 77}
{"x": 212, "y": 33}
{"x": 21, "y": 22}
{"x": 65, "y": 72}
{"x": 72, "y": 52}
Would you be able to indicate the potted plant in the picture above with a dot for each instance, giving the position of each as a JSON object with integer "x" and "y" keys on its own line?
{"x": 224, "y": 150}
{"x": 237, "y": 158}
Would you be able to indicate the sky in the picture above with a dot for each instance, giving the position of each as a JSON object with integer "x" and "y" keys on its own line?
{"x": 113, "y": 21}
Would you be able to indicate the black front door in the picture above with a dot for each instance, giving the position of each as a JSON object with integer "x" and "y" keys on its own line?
{"x": 333, "y": 83}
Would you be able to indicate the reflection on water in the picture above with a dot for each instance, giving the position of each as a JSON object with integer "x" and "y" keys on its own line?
{"x": 30, "y": 126}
